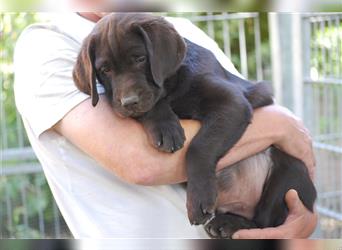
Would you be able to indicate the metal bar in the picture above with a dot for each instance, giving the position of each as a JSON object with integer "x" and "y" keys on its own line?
{"x": 328, "y": 147}
{"x": 19, "y": 154}
{"x": 210, "y": 27}
{"x": 331, "y": 136}
{"x": 40, "y": 211}
{"x": 257, "y": 41}
{"x": 276, "y": 55}
{"x": 307, "y": 34}
{"x": 337, "y": 106}
{"x": 24, "y": 168}
{"x": 332, "y": 194}
{"x": 325, "y": 109}
{"x": 4, "y": 134}
{"x": 24, "y": 203}
{"x": 319, "y": 15}
{"x": 311, "y": 62}
{"x": 318, "y": 179}
{"x": 224, "y": 16}
{"x": 339, "y": 111}
{"x": 316, "y": 64}
{"x": 308, "y": 105}
{"x": 226, "y": 38}
{"x": 322, "y": 18}
{"x": 331, "y": 178}
{"x": 322, "y": 27}
{"x": 327, "y": 212}
{"x": 331, "y": 121}
{"x": 243, "y": 51}
{"x": 2, "y": 223}
{"x": 340, "y": 159}
{"x": 9, "y": 212}
{"x": 297, "y": 57}
{"x": 324, "y": 80}
{"x": 56, "y": 220}
{"x": 316, "y": 97}
{"x": 331, "y": 64}
{"x": 338, "y": 48}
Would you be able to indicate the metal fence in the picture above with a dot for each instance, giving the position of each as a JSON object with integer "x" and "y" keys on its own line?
{"x": 322, "y": 112}
{"x": 241, "y": 38}
{"x": 26, "y": 200}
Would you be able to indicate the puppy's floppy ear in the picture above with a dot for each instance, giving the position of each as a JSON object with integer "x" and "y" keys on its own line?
{"x": 165, "y": 47}
{"x": 84, "y": 74}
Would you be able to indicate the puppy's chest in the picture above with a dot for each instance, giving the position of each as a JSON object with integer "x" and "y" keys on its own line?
{"x": 187, "y": 106}
{"x": 185, "y": 109}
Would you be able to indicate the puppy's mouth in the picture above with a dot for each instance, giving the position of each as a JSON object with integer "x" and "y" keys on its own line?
{"x": 133, "y": 112}
{"x": 128, "y": 113}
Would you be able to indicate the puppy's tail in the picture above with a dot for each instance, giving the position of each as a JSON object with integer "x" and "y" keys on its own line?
{"x": 259, "y": 94}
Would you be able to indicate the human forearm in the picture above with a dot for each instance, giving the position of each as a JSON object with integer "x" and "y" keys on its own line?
{"x": 121, "y": 145}
{"x": 270, "y": 125}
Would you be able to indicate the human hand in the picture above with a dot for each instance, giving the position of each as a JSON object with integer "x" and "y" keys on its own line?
{"x": 300, "y": 223}
{"x": 295, "y": 139}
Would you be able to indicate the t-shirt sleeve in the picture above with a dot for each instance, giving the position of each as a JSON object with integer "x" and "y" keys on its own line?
{"x": 44, "y": 88}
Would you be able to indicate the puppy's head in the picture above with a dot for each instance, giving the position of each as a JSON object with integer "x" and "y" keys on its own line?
{"x": 131, "y": 55}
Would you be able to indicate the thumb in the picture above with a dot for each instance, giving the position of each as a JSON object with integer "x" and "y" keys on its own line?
{"x": 292, "y": 201}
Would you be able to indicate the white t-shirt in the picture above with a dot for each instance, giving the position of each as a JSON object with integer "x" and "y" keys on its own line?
{"x": 93, "y": 201}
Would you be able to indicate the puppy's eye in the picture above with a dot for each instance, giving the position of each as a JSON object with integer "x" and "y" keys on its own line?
{"x": 140, "y": 59}
{"x": 105, "y": 69}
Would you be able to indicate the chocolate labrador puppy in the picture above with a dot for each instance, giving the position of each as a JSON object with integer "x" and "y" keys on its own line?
{"x": 152, "y": 74}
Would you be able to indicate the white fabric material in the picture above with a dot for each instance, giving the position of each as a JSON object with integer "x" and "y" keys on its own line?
{"x": 94, "y": 202}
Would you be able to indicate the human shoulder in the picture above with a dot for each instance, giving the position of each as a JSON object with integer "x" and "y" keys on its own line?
{"x": 42, "y": 37}
{"x": 62, "y": 31}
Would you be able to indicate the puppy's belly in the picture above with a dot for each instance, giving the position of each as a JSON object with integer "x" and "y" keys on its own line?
{"x": 240, "y": 185}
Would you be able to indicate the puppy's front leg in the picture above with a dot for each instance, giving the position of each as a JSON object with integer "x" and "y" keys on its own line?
{"x": 163, "y": 128}
{"x": 224, "y": 115}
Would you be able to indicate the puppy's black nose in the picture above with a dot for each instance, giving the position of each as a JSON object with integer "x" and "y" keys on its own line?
{"x": 129, "y": 100}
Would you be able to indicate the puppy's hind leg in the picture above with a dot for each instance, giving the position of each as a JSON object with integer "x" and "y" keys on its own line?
{"x": 225, "y": 225}
{"x": 287, "y": 173}
{"x": 240, "y": 188}
{"x": 224, "y": 114}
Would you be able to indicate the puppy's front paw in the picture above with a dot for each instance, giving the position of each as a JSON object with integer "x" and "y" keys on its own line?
{"x": 223, "y": 226}
{"x": 201, "y": 199}
{"x": 167, "y": 136}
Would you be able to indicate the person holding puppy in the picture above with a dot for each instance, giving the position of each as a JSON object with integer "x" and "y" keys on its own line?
{"x": 106, "y": 178}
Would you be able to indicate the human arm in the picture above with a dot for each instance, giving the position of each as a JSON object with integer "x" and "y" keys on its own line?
{"x": 121, "y": 145}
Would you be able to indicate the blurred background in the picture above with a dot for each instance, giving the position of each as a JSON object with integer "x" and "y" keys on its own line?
{"x": 299, "y": 54}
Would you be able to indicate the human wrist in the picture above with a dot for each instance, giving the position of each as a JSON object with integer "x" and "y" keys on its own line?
{"x": 283, "y": 127}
